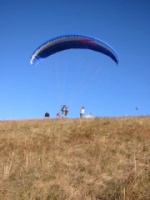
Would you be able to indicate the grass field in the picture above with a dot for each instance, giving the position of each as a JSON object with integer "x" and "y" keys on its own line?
{"x": 75, "y": 159}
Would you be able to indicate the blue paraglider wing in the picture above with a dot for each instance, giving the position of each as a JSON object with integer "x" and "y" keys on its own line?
{"x": 73, "y": 42}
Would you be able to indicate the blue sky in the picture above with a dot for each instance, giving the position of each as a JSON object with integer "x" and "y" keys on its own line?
{"x": 74, "y": 77}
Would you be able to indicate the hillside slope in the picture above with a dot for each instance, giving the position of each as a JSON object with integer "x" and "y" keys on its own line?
{"x": 87, "y": 159}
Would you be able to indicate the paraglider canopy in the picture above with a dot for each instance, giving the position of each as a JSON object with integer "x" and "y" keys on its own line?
{"x": 73, "y": 42}
{"x": 88, "y": 116}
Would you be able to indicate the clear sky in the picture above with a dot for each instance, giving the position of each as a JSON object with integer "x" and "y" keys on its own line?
{"x": 74, "y": 77}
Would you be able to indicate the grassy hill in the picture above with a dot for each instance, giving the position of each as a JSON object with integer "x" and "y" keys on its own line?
{"x": 75, "y": 159}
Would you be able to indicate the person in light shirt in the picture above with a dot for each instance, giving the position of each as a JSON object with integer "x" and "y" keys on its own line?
{"x": 82, "y": 111}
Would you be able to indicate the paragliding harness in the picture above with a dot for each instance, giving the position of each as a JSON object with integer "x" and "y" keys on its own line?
{"x": 64, "y": 110}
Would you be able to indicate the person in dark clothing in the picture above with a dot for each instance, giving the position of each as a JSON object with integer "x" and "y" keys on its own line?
{"x": 47, "y": 114}
{"x": 64, "y": 111}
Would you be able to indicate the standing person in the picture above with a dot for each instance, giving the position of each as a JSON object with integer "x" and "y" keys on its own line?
{"x": 64, "y": 111}
{"x": 82, "y": 111}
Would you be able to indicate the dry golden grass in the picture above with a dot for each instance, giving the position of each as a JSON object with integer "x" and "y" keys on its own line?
{"x": 75, "y": 159}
